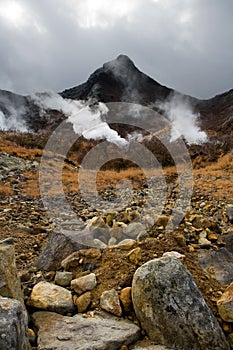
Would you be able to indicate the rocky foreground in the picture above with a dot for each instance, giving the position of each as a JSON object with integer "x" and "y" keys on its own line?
{"x": 138, "y": 285}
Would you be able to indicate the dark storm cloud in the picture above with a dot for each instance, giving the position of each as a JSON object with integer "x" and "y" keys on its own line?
{"x": 56, "y": 44}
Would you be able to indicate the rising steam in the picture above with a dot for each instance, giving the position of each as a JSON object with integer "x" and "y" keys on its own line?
{"x": 14, "y": 121}
{"x": 87, "y": 120}
{"x": 184, "y": 122}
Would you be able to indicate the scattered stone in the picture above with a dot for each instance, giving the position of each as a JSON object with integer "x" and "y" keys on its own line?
{"x": 134, "y": 229}
{"x": 82, "y": 333}
{"x": 83, "y": 284}
{"x": 31, "y": 336}
{"x": 126, "y": 244}
{"x": 175, "y": 254}
{"x": 63, "y": 278}
{"x": 172, "y": 310}
{"x": 109, "y": 301}
{"x": 60, "y": 245}
{"x": 204, "y": 242}
{"x": 135, "y": 256}
{"x": 229, "y": 212}
{"x": 112, "y": 241}
{"x": 82, "y": 303}
{"x": 13, "y": 325}
{"x": 9, "y": 281}
{"x": 97, "y": 243}
{"x": 48, "y": 296}
{"x": 74, "y": 260}
{"x": 126, "y": 300}
{"x": 162, "y": 221}
{"x": 225, "y": 304}
{"x": 219, "y": 263}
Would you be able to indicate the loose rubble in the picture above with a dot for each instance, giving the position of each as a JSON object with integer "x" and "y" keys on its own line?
{"x": 79, "y": 277}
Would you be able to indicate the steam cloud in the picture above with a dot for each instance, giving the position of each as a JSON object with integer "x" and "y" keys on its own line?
{"x": 14, "y": 121}
{"x": 87, "y": 120}
{"x": 184, "y": 122}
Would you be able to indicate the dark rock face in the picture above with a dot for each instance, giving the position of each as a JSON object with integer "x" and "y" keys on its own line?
{"x": 171, "y": 308}
{"x": 119, "y": 80}
{"x": 59, "y": 246}
{"x": 219, "y": 263}
{"x": 13, "y": 325}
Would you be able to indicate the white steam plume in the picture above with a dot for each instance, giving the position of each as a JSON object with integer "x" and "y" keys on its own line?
{"x": 14, "y": 121}
{"x": 87, "y": 121}
{"x": 183, "y": 119}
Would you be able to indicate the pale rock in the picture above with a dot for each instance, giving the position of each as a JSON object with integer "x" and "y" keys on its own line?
{"x": 109, "y": 301}
{"x": 83, "y": 333}
{"x": 97, "y": 243}
{"x": 175, "y": 254}
{"x": 135, "y": 256}
{"x": 126, "y": 244}
{"x": 134, "y": 229}
{"x": 48, "y": 296}
{"x": 9, "y": 281}
{"x": 84, "y": 283}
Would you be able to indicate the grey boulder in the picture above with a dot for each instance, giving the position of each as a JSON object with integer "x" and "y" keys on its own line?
{"x": 171, "y": 309}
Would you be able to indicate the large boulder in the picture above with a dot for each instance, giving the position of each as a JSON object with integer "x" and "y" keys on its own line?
{"x": 9, "y": 281}
{"x": 13, "y": 325}
{"x": 83, "y": 333}
{"x": 171, "y": 309}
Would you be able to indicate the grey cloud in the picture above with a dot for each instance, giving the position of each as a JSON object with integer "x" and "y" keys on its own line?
{"x": 186, "y": 45}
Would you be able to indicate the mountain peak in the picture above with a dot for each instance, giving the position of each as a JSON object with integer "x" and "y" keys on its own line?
{"x": 119, "y": 80}
{"x": 121, "y": 62}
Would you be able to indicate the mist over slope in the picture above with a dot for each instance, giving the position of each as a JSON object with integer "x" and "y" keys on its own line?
{"x": 116, "y": 81}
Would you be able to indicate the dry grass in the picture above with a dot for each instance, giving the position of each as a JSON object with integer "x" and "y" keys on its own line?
{"x": 13, "y": 149}
{"x": 5, "y": 191}
{"x": 217, "y": 178}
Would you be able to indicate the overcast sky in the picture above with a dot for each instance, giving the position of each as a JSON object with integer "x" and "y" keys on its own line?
{"x": 57, "y": 44}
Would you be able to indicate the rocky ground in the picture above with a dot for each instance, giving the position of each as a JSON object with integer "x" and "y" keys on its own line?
{"x": 203, "y": 237}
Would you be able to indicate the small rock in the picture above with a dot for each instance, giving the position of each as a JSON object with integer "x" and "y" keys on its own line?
{"x": 112, "y": 241}
{"x": 126, "y": 244}
{"x": 125, "y": 298}
{"x": 135, "y": 256}
{"x": 225, "y": 304}
{"x": 175, "y": 254}
{"x": 229, "y": 212}
{"x": 162, "y": 221}
{"x": 63, "y": 278}
{"x": 109, "y": 301}
{"x": 31, "y": 336}
{"x": 82, "y": 302}
{"x": 204, "y": 242}
{"x": 83, "y": 284}
{"x": 97, "y": 243}
{"x": 48, "y": 296}
{"x": 134, "y": 229}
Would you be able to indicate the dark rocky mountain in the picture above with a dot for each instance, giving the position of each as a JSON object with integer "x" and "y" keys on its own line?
{"x": 120, "y": 80}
